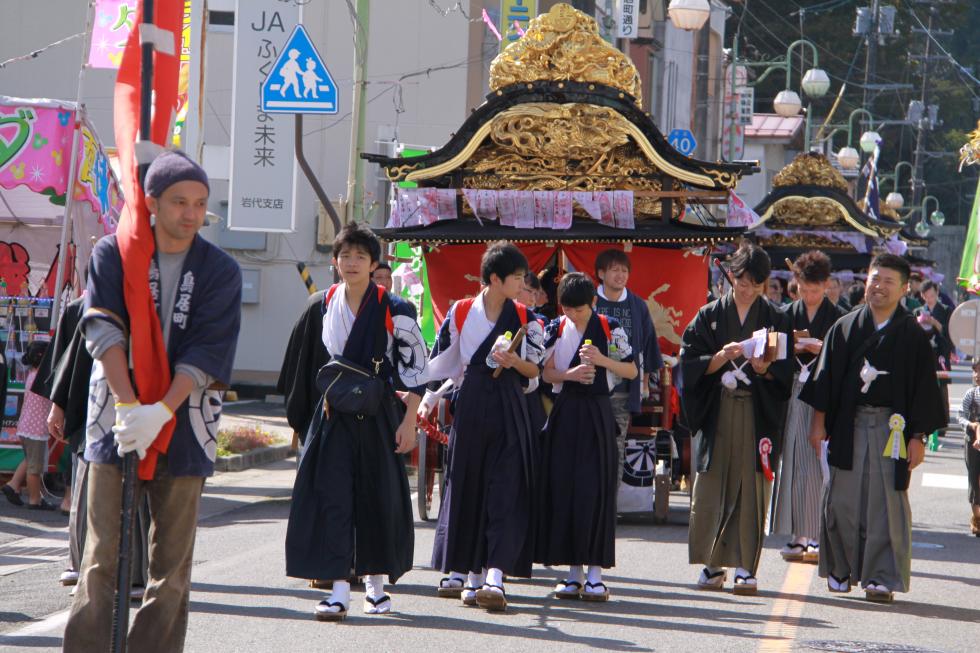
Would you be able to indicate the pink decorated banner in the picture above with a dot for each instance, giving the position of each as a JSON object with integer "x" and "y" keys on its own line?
{"x": 35, "y": 148}
{"x": 35, "y": 145}
{"x": 113, "y": 22}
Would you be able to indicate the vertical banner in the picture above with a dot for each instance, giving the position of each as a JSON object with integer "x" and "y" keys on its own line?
{"x": 263, "y": 169}
{"x": 183, "y": 79}
{"x": 626, "y": 19}
{"x": 521, "y": 11}
{"x": 113, "y": 22}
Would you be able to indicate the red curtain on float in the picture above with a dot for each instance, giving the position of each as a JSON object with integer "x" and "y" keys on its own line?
{"x": 151, "y": 367}
{"x": 673, "y": 282}
{"x": 454, "y": 271}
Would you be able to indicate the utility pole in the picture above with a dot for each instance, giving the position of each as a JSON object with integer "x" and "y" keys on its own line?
{"x": 355, "y": 171}
{"x": 871, "y": 55}
{"x": 924, "y": 122}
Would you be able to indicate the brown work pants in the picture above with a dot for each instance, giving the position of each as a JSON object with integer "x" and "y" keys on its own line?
{"x": 160, "y": 624}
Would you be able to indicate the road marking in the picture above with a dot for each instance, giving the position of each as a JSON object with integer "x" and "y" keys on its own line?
{"x": 780, "y": 632}
{"x": 947, "y": 481}
{"x": 52, "y": 623}
{"x": 30, "y": 551}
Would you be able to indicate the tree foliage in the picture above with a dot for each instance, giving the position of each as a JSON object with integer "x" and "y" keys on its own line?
{"x": 766, "y": 27}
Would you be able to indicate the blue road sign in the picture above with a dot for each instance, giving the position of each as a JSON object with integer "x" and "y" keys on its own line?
{"x": 299, "y": 82}
{"x": 683, "y": 141}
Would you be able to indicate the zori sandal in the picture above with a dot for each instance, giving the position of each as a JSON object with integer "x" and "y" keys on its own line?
{"x": 568, "y": 589}
{"x": 492, "y": 600}
{"x": 595, "y": 592}
{"x": 450, "y": 588}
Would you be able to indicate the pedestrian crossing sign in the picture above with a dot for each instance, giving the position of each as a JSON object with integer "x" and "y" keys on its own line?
{"x": 299, "y": 82}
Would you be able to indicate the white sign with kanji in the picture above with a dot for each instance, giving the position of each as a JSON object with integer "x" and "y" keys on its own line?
{"x": 627, "y": 18}
{"x": 262, "y": 189}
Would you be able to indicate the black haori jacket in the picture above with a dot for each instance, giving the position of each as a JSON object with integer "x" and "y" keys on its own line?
{"x": 902, "y": 349}
{"x": 700, "y": 392}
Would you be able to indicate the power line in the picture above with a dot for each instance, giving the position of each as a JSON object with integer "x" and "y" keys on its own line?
{"x": 956, "y": 64}
{"x": 33, "y": 54}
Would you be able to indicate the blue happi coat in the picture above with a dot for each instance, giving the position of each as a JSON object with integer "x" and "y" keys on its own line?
{"x": 203, "y": 334}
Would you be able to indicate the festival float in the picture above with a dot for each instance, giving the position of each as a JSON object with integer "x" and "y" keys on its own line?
{"x": 561, "y": 160}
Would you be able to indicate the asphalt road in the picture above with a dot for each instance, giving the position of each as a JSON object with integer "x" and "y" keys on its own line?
{"x": 241, "y": 601}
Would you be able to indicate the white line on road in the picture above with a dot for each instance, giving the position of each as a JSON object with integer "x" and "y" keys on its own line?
{"x": 947, "y": 481}
{"x": 54, "y": 623}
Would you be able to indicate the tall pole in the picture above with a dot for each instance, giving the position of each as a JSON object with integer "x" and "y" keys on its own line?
{"x": 872, "y": 53}
{"x": 918, "y": 181}
{"x": 76, "y": 138}
{"x": 355, "y": 171}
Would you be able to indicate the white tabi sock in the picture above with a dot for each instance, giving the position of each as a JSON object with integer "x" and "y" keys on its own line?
{"x": 339, "y": 594}
{"x": 456, "y": 575}
{"x": 575, "y": 574}
{"x": 745, "y": 573}
{"x": 374, "y": 585}
{"x": 800, "y": 540}
{"x": 475, "y": 579}
{"x": 495, "y": 577}
{"x": 595, "y": 574}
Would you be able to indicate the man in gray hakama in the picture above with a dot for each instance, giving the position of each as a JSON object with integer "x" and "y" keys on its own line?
{"x": 875, "y": 395}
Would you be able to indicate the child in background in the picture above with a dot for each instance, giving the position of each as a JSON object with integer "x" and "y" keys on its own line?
{"x": 970, "y": 421}
{"x": 32, "y": 429}
{"x": 579, "y": 460}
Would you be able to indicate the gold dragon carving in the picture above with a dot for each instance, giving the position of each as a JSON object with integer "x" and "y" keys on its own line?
{"x": 564, "y": 45}
{"x": 810, "y": 169}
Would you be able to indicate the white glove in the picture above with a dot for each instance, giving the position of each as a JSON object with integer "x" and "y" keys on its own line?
{"x": 140, "y": 428}
{"x": 122, "y": 410}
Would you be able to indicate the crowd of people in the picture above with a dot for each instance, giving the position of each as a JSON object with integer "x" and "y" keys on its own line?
{"x": 808, "y": 417}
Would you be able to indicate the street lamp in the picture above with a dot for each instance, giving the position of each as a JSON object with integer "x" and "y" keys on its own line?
{"x": 690, "y": 15}
{"x": 869, "y": 141}
{"x": 895, "y": 199}
{"x": 787, "y": 103}
{"x": 815, "y": 81}
{"x": 848, "y": 158}
{"x": 937, "y": 217}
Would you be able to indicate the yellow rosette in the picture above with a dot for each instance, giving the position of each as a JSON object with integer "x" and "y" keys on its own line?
{"x": 895, "y": 448}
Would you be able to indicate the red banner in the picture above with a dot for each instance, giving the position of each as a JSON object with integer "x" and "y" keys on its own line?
{"x": 454, "y": 272}
{"x": 673, "y": 282}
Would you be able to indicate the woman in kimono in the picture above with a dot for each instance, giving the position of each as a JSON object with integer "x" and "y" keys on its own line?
{"x": 485, "y": 520}
{"x": 799, "y": 484}
{"x": 579, "y": 458}
{"x": 734, "y": 404}
{"x": 351, "y": 506}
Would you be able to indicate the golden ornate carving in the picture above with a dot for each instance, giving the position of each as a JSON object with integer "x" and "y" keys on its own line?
{"x": 564, "y": 44}
{"x": 398, "y": 173}
{"x": 970, "y": 152}
{"x": 807, "y": 212}
{"x": 810, "y": 169}
{"x": 804, "y": 240}
{"x": 726, "y": 179}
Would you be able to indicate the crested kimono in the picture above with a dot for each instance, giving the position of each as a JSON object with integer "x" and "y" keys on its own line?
{"x": 737, "y": 418}
{"x": 877, "y": 386}
{"x": 351, "y": 505}
{"x": 486, "y": 515}
{"x": 799, "y": 483}
{"x": 208, "y": 294}
{"x": 305, "y": 355}
{"x": 579, "y": 463}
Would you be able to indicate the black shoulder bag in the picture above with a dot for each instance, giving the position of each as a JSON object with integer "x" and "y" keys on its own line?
{"x": 349, "y": 387}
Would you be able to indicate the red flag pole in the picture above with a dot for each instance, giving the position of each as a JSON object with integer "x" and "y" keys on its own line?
{"x": 120, "y": 612}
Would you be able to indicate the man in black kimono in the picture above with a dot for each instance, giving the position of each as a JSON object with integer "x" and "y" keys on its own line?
{"x": 734, "y": 401}
{"x": 875, "y": 396}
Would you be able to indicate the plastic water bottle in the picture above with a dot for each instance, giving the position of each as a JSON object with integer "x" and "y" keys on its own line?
{"x": 587, "y": 343}
{"x": 501, "y": 344}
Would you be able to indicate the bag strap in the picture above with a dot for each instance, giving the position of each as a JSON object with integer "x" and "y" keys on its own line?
{"x": 604, "y": 321}
{"x": 561, "y": 325}
{"x": 381, "y": 335}
{"x": 521, "y": 312}
{"x": 461, "y": 310}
